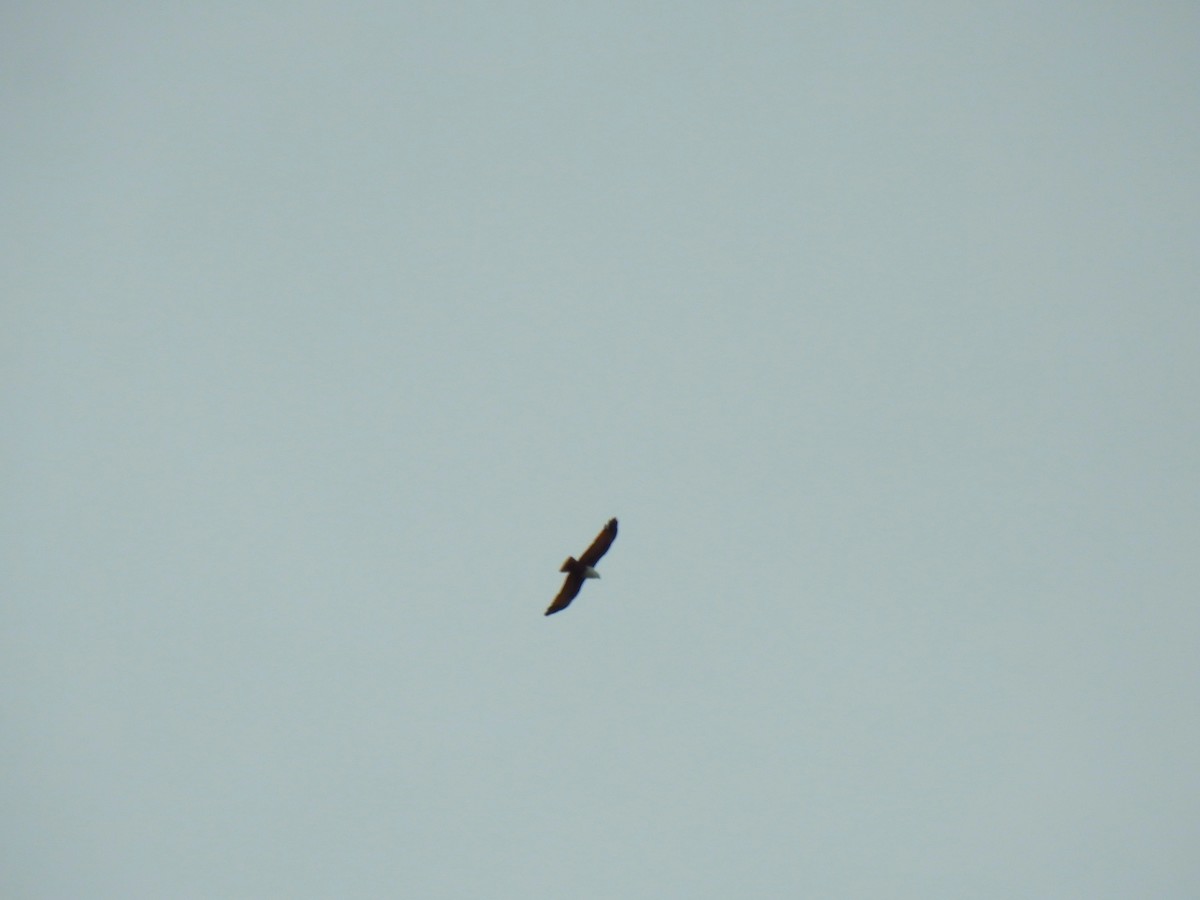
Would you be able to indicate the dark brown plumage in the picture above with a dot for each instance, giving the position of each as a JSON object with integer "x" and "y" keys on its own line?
{"x": 584, "y": 567}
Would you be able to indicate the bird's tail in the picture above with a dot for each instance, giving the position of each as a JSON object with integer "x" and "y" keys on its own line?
{"x": 569, "y": 564}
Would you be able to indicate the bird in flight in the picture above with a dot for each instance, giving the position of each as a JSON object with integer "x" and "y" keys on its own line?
{"x": 584, "y": 567}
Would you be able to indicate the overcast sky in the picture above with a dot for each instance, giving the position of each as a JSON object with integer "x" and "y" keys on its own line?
{"x": 330, "y": 330}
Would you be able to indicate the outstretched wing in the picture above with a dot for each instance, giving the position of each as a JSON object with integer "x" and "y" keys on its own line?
{"x": 600, "y": 545}
{"x": 571, "y": 585}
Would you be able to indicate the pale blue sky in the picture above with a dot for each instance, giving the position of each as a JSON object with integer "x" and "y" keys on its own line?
{"x": 329, "y": 330}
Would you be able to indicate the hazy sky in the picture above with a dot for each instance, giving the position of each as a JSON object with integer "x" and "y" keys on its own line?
{"x": 330, "y": 329}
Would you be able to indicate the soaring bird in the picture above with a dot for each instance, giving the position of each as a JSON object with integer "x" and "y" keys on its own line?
{"x": 584, "y": 567}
